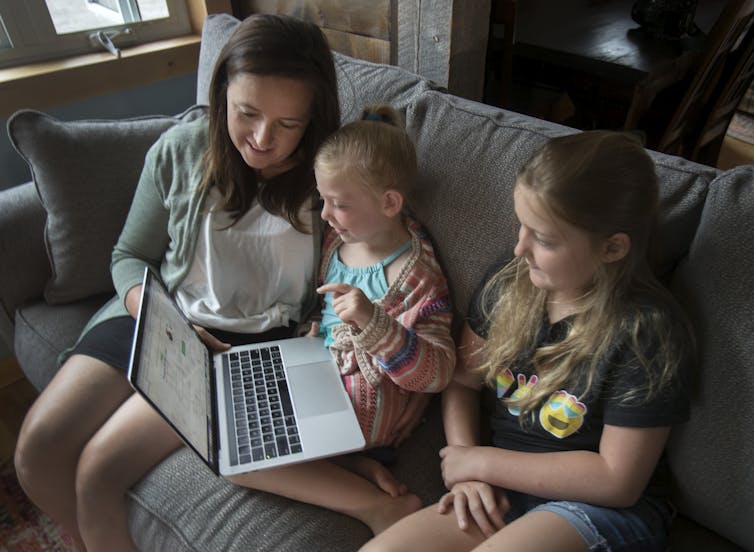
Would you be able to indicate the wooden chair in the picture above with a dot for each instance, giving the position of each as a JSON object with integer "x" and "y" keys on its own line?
{"x": 697, "y": 128}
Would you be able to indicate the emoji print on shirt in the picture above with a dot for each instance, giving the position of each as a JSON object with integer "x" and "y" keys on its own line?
{"x": 504, "y": 380}
{"x": 523, "y": 390}
{"x": 562, "y": 414}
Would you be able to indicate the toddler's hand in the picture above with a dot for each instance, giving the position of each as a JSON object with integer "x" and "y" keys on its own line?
{"x": 313, "y": 331}
{"x": 350, "y": 304}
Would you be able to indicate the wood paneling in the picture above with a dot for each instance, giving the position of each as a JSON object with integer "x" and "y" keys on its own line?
{"x": 362, "y": 47}
{"x": 358, "y": 28}
{"x": 442, "y": 40}
{"x": 361, "y": 17}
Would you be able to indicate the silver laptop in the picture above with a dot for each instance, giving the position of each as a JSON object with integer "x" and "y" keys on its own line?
{"x": 252, "y": 407}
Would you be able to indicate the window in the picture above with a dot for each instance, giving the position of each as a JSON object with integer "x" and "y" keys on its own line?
{"x": 36, "y": 30}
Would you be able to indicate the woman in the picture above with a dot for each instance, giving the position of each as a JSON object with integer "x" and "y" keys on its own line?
{"x": 223, "y": 212}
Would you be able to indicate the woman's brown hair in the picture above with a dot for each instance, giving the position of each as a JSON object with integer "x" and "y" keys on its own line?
{"x": 280, "y": 46}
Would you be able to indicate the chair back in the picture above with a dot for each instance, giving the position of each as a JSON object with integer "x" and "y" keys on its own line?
{"x": 726, "y": 67}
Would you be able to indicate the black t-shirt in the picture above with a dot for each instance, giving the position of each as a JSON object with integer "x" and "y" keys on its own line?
{"x": 570, "y": 419}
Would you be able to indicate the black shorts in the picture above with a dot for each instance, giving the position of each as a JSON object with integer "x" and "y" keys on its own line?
{"x": 110, "y": 341}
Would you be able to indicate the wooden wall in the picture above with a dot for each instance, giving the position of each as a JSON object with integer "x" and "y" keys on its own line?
{"x": 443, "y": 40}
{"x": 358, "y": 28}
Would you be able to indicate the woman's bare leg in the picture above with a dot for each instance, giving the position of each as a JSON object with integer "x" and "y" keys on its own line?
{"x": 324, "y": 483}
{"x": 78, "y": 400}
{"x": 125, "y": 448}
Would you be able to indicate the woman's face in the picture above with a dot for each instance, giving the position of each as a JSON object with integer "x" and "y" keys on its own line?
{"x": 267, "y": 116}
{"x": 562, "y": 258}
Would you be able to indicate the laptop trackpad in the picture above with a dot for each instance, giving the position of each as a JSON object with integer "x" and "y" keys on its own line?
{"x": 316, "y": 389}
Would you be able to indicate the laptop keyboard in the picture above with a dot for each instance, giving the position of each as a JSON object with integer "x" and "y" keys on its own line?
{"x": 264, "y": 423}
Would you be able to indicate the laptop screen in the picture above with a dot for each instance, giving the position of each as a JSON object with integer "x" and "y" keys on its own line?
{"x": 170, "y": 366}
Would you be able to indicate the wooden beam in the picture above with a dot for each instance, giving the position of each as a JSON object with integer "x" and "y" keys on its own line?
{"x": 91, "y": 75}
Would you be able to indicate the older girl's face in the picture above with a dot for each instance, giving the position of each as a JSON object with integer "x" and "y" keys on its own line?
{"x": 562, "y": 258}
{"x": 267, "y": 117}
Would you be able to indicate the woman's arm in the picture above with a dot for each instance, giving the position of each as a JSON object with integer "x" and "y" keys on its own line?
{"x": 616, "y": 476}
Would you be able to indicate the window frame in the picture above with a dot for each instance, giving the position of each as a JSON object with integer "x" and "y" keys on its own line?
{"x": 81, "y": 77}
{"x": 29, "y": 27}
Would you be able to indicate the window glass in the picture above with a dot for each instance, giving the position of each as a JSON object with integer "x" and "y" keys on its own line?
{"x": 69, "y": 17}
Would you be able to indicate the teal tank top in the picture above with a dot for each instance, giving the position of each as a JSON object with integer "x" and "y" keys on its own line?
{"x": 369, "y": 279}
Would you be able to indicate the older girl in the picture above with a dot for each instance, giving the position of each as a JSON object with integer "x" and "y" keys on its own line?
{"x": 586, "y": 353}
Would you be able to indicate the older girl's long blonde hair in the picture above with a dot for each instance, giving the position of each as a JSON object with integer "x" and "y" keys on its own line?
{"x": 604, "y": 183}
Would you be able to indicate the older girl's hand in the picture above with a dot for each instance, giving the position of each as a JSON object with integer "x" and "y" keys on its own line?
{"x": 479, "y": 501}
{"x": 459, "y": 463}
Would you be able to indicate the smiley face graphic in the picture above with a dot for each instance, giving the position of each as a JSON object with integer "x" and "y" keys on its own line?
{"x": 562, "y": 414}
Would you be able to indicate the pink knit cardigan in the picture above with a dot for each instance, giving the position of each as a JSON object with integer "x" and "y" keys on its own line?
{"x": 406, "y": 346}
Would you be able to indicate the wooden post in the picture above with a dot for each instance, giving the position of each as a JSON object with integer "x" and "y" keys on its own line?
{"x": 445, "y": 41}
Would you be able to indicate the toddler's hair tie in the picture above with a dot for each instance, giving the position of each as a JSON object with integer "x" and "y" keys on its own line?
{"x": 376, "y": 117}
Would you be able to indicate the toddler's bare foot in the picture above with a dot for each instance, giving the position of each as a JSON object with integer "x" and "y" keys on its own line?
{"x": 371, "y": 470}
{"x": 393, "y": 509}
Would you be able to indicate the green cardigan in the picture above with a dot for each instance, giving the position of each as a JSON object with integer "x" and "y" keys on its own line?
{"x": 165, "y": 217}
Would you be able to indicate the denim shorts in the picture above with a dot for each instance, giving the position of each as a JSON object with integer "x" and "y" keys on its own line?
{"x": 642, "y": 528}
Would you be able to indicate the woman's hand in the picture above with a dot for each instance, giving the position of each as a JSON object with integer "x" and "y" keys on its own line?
{"x": 210, "y": 340}
{"x": 411, "y": 417}
{"x": 350, "y": 304}
{"x": 481, "y": 502}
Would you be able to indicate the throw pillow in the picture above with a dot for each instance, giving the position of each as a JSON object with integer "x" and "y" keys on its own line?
{"x": 85, "y": 172}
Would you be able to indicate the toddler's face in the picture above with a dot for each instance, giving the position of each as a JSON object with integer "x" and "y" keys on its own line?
{"x": 562, "y": 258}
{"x": 352, "y": 209}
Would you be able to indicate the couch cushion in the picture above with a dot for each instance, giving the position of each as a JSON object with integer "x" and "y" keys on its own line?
{"x": 359, "y": 82}
{"x": 471, "y": 149}
{"x": 43, "y": 331}
{"x": 468, "y": 155}
{"x": 85, "y": 173}
{"x": 711, "y": 454}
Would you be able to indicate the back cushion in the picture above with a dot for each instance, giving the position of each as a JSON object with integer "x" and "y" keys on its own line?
{"x": 711, "y": 454}
{"x": 469, "y": 154}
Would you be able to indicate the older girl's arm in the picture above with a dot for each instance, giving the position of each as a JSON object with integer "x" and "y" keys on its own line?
{"x": 616, "y": 476}
{"x": 460, "y": 401}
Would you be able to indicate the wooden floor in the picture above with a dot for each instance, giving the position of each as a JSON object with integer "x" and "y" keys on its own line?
{"x": 16, "y": 396}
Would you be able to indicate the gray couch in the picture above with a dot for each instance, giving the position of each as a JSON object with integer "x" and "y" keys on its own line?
{"x": 56, "y": 234}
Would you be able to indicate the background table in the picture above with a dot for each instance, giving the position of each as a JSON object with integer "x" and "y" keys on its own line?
{"x": 596, "y": 51}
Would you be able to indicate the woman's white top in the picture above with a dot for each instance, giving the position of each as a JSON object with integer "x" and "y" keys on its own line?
{"x": 249, "y": 277}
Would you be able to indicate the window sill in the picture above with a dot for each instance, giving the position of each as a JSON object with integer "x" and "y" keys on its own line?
{"x": 42, "y": 85}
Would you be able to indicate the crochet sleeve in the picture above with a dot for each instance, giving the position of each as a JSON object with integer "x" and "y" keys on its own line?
{"x": 408, "y": 339}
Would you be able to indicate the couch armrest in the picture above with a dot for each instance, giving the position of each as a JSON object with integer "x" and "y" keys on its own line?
{"x": 24, "y": 268}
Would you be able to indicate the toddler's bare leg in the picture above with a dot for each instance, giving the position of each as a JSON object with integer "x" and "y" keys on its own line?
{"x": 323, "y": 483}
